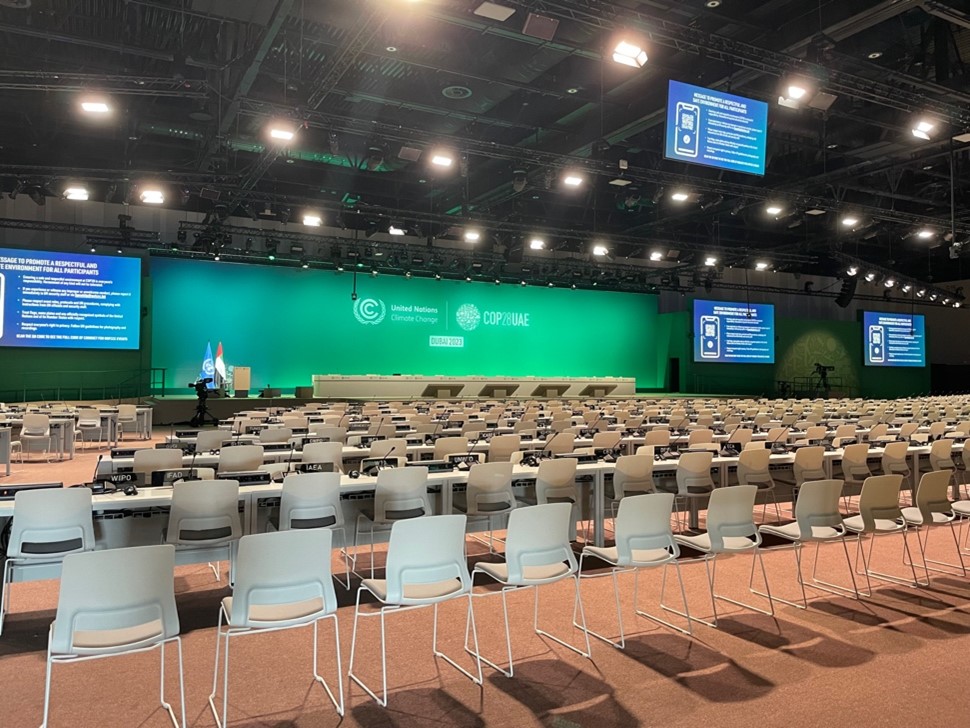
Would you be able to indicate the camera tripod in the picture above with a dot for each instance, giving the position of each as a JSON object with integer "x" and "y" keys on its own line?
{"x": 202, "y": 415}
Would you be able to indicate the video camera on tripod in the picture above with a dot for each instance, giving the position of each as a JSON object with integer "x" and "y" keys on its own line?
{"x": 202, "y": 414}
{"x": 823, "y": 369}
{"x": 201, "y": 387}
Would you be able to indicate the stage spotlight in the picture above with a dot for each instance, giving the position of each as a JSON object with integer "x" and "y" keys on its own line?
{"x": 375, "y": 157}
{"x": 870, "y": 276}
{"x": 152, "y": 196}
{"x": 680, "y": 196}
{"x": 629, "y": 54}
{"x": 925, "y": 234}
{"x": 76, "y": 193}
{"x": 281, "y": 133}
{"x": 906, "y": 287}
{"x": 852, "y": 270}
{"x": 95, "y": 106}
{"x": 312, "y": 219}
{"x": 600, "y": 250}
{"x": 849, "y": 221}
{"x": 395, "y": 229}
{"x": 934, "y": 296}
{"x": 710, "y": 261}
{"x": 890, "y": 282}
{"x": 656, "y": 255}
{"x": 920, "y": 293}
{"x": 761, "y": 265}
{"x": 537, "y": 244}
{"x": 519, "y": 180}
{"x": 572, "y": 179}
{"x": 94, "y": 248}
{"x": 442, "y": 159}
{"x": 923, "y": 129}
{"x": 304, "y": 264}
{"x": 774, "y": 208}
{"x": 472, "y": 236}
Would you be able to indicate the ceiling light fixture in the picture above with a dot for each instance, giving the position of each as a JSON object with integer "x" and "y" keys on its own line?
{"x": 710, "y": 261}
{"x": 925, "y": 234}
{"x": 773, "y": 208}
{"x": 761, "y": 265}
{"x": 152, "y": 196}
{"x": 95, "y": 106}
{"x": 680, "y": 196}
{"x": 600, "y": 250}
{"x": 537, "y": 244}
{"x": 656, "y": 256}
{"x": 923, "y": 129}
{"x": 281, "y": 133}
{"x": 472, "y": 236}
{"x": 849, "y": 221}
{"x": 440, "y": 159}
{"x": 870, "y": 276}
{"x": 312, "y": 219}
{"x": 629, "y": 54}
{"x": 572, "y": 180}
{"x": 76, "y": 193}
{"x": 874, "y": 55}
{"x": 394, "y": 229}
{"x": 852, "y": 270}
{"x": 890, "y": 282}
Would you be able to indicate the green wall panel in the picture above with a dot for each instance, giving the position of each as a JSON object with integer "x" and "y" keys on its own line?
{"x": 288, "y": 324}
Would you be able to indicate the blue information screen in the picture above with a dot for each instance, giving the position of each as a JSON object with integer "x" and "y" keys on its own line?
{"x": 894, "y": 339}
{"x": 715, "y": 129}
{"x": 66, "y": 300}
{"x": 734, "y": 333}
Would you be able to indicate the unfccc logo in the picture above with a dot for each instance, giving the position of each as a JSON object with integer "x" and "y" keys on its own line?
{"x": 468, "y": 316}
{"x": 369, "y": 310}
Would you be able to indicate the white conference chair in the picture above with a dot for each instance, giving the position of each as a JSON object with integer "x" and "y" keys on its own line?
{"x": 312, "y": 500}
{"x": 643, "y": 540}
{"x": 210, "y": 440}
{"x": 426, "y": 566}
{"x": 931, "y": 511}
{"x": 537, "y": 552}
{"x": 47, "y": 525}
{"x": 148, "y": 460}
{"x": 819, "y": 520}
{"x": 730, "y": 529}
{"x": 204, "y": 516}
{"x": 88, "y": 425}
{"x": 127, "y": 419}
{"x": 279, "y": 585}
{"x": 35, "y": 433}
{"x": 240, "y": 458}
{"x": 114, "y": 602}
{"x": 754, "y": 469}
{"x": 399, "y": 494}
{"x": 324, "y": 452}
{"x": 488, "y": 493}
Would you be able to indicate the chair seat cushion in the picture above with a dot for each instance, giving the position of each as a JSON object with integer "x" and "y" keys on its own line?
{"x": 792, "y": 532}
{"x": 460, "y": 502}
{"x": 273, "y": 614}
{"x": 548, "y": 572}
{"x": 416, "y": 592}
{"x": 855, "y": 524}
{"x": 111, "y": 639}
{"x": 914, "y": 517}
{"x": 640, "y": 557}
{"x": 702, "y": 542}
{"x": 961, "y": 507}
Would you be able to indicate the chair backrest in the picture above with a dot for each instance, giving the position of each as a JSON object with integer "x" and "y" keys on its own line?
{"x": 855, "y": 460}
{"x": 51, "y": 522}
{"x": 489, "y": 488}
{"x": 633, "y": 474}
{"x": 697, "y": 437}
{"x": 753, "y": 466}
{"x": 36, "y": 425}
{"x": 538, "y": 536}
{"x": 310, "y": 500}
{"x": 325, "y": 452}
{"x": 609, "y": 439}
{"x": 937, "y": 429}
{"x": 501, "y": 447}
{"x": 643, "y": 523}
{"x": 557, "y": 474}
{"x": 445, "y": 446}
{"x": 428, "y": 551}
{"x": 816, "y": 432}
{"x": 877, "y": 431}
{"x": 331, "y": 432}
{"x": 116, "y": 589}
{"x": 127, "y": 412}
{"x": 741, "y": 436}
{"x": 89, "y": 417}
{"x": 941, "y": 455}
{"x": 282, "y": 567}
{"x": 879, "y": 499}
{"x": 208, "y": 440}
{"x": 560, "y": 443}
{"x": 239, "y": 458}
{"x": 204, "y": 512}
{"x": 657, "y": 438}
{"x": 148, "y": 460}
{"x": 276, "y": 434}
{"x": 381, "y": 448}
{"x": 894, "y": 454}
{"x": 932, "y": 494}
{"x": 778, "y": 434}
{"x": 731, "y": 514}
{"x": 808, "y": 464}
{"x": 845, "y": 431}
{"x": 818, "y": 506}
{"x": 694, "y": 473}
{"x": 401, "y": 493}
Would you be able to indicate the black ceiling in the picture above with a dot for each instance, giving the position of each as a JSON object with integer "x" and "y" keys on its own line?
{"x": 195, "y": 83}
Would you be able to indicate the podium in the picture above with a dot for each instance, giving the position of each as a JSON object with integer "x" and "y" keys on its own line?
{"x": 241, "y": 381}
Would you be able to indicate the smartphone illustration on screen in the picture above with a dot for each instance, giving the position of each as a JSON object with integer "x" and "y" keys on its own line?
{"x": 710, "y": 337}
{"x": 877, "y": 344}
{"x": 687, "y": 129}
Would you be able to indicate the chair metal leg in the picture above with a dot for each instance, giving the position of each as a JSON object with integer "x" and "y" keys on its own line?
{"x": 220, "y": 636}
{"x": 47, "y": 683}
{"x": 469, "y": 623}
{"x": 508, "y": 637}
{"x": 8, "y": 567}
{"x": 924, "y": 545}
{"x": 616, "y": 598}
{"x": 686, "y": 613}
{"x": 165, "y": 704}
{"x": 577, "y": 601}
{"x": 353, "y": 650}
{"x": 829, "y": 587}
{"x": 796, "y": 549}
{"x": 663, "y": 587}
{"x": 338, "y": 704}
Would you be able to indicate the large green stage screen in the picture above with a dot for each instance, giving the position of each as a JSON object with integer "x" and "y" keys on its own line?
{"x": 289, "y": 324}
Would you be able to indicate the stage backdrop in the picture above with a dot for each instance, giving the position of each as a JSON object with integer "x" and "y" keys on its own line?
{"x": 288, "y": 324}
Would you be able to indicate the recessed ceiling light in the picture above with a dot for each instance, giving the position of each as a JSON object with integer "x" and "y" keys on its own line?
{"x": 925, "y": 233}
{"x": 831, "y": 146}
{"x": 152, "y": 196}
{"x": 395, "y": 229}
{"x": 890, "y": 282}
{"x": 494, "y": 11}
{"x": 391, "y": 49}
{"x": 472, "y": 236}
{"x": 922, "y": 129}
{"x": 852, "y": 270}
{"x": 874, "y": 55}
{"x": 713, "y": 3}
{"x": 572, "y": 90}
{"x": 815, "y": 211}
{"x": 621, "y": 182}
{"x": 537, "y": 244}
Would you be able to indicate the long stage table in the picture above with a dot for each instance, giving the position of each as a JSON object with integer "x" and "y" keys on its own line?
{"x": 392, "y": 387}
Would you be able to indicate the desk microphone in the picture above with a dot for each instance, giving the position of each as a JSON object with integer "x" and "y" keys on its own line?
{"x": 464, "y": 464}
{"x": 431, "y": 438}
{"x": 591, "y": 428}
{"x": 773, "y": 443}
{"x": 96, "y": 466}
{"x": 382, "y": 463}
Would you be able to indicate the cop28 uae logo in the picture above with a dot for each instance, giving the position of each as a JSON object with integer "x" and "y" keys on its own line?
{"x": 369, "y": 310}
{"x": 468, "y": 316}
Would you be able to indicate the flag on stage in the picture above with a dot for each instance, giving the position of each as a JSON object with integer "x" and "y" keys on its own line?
{"x": 220, "y": 376}
{"x": 208, "y": 366}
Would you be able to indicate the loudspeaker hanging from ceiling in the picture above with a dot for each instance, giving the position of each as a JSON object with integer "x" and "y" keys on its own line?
{"x": 848, "y": 291}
